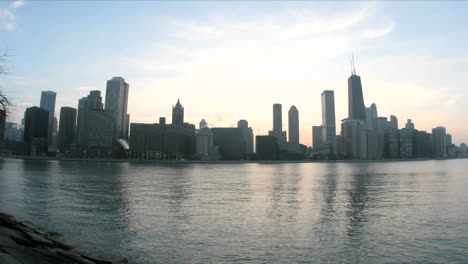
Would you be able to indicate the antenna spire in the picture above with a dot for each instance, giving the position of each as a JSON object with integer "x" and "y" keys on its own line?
{"x": 352, "y": 62}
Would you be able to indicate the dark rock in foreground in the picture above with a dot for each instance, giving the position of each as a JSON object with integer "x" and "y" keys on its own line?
{"x": 22, "y": 243}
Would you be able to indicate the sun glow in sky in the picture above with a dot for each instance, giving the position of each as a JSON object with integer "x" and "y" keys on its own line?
{"x": 233, "y": 60}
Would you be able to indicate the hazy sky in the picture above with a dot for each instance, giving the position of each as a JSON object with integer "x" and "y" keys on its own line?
{"x": 233, "y": 60}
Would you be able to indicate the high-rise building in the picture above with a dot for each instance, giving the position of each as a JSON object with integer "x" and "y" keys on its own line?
{"x": 203, "y": 124}
{"x": 354, "y": 138}
{"x": 316, "y": 137}
{"x": 393, "y": 122}
{"x": 230, "y": 142}
{"x": 48, "y": 103}
{"x": 116, "y": 102}
{"x": 356, "y": 108}
{"x": 406, "y": 140}
{"x": 266, "y": 148}
{"x": 247, "y": 133}
{"x": 36, "y": 131}
{"x": 439, "y": 142}
{"x": 92, "y": 102}
{"x": 277, "y": 118}
{"x": 67, "y": 129}
{"x": 293, "y": 125}
{"x": 409, "y": 124}
{"x": 328, "y": 116}
{"x": 371, "y": 117}
{"x": 178, "y": 113}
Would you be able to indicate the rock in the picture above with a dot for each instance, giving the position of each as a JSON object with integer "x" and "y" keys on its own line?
{"x": 123, "y": 261}
{"x": 38, "y": 239}
{"x": 28, "y": 255}
{"x": 73, "y": 257}
{"x": 7, "y": 259}
{"x": 96, "y": 260}
{"x": 22, "y": 242}
{"x": 60, "y": 244}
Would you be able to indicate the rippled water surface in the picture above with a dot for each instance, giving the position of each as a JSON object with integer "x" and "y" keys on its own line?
{"x": 380, "y": 212}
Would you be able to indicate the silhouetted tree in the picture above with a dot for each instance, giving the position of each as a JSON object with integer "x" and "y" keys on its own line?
{"x": 5, "y": 103}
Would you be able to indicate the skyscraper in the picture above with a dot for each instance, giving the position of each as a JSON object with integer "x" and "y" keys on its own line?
{"x": 393, "y": 122}
{"x": 117, "y": 101}
{"x": 278, "y": 124}
{"x": 67, "y": 129}
{"x": 353, "y": 132}
{"x": 277, "y": 118}
{"x": 36, "y": 131}
{"x": 439, "y": 142}
{"x": 48, "y": 103}
{"x": 317, "y": 137}
{"x": 247, "y": 133}
{"x": 203, "y": 124}
{"x": 371, "y": 117}
{"x": 328, "y": 116}
{"x": 92, "y": 102}
{"x": 356, "y": 108}
{"x": 178, "y": 113}
{"x": 293, "y": 125}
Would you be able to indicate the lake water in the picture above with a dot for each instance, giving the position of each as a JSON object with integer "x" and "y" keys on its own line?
{"x": 376, "y": 212}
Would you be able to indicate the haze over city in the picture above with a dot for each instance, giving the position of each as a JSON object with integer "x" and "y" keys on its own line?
{"x": 228, "y": 61}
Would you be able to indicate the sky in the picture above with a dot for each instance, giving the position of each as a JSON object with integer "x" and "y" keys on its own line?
{"x": 233, "y": 60}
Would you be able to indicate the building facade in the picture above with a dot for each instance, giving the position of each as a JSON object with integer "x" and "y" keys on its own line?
{"x": 116, "y": 103}
{"x": 36, "y": 131}
{"x": 67, "y": 129}
{"x": 328, "y": 116}
{"x": 293, "y": 125}
{"x": 48, "y": 103}
{"x": 178, "y": 113}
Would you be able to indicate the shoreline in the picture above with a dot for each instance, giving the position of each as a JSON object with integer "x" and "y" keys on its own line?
{"x": 23, "y": 157}
{"x": 21, "y": 242}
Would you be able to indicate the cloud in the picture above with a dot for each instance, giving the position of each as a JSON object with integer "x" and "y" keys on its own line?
{"x": 8, "y": 17}
{"x": 17, "y": 4}
{"x": 378, "y": 32}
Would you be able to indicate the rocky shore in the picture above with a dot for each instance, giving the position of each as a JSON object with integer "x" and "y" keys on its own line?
{"x": 22, "y": 243}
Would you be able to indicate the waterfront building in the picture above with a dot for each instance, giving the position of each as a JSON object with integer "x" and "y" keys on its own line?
{"x": 371, "y": 117}
{"x": 36, "y": 131}
{"x": 328, "y": 116}
{"x": 316, "y": 137}
{"x": 247, "y": 133}
{"x": 230, "y": 142}
{"x": 67, "y": 130}
{"x": 266, "y": 148}
{"x": 393, "y": 122}
{"x": 439, "y": 142}
{"x": 48, "y": 103}
{"x": 422, "y": 147}
{"x": 354, "y": 138}
{"x": 293, "y": 125}
{"x": 392, "y": 143}
{"x": 206, "y": 149}
{"x": 356, "y": 108}
{"x": 162, "y": 141}
{"x": 277, "y": 117}
{"x": 99, "y": 130}
{"x": 409, "y": 124}
{"x": 203, "y": 124}
{"x": 178, "y": 113}
{"x": 116, "y": 103}
{"x": 13, "y": 132}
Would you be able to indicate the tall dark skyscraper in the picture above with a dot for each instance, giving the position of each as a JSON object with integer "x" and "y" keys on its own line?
{"x": 356, "y": 107}
{"x": 48, "y": 103}
{"x": 328, "y": 116}
{"x": 178, "y": 113}
{"x": 247, "y": 133}
{"x": 36, "y": 130}
{"x": 293, "y": 125}
{"x": 117, "y": 101}
{"x": 277, "y": 118}
{"x": 67, "y": 129}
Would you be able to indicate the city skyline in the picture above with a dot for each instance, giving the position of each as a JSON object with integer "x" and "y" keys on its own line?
{"x": 214, "y": 94}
